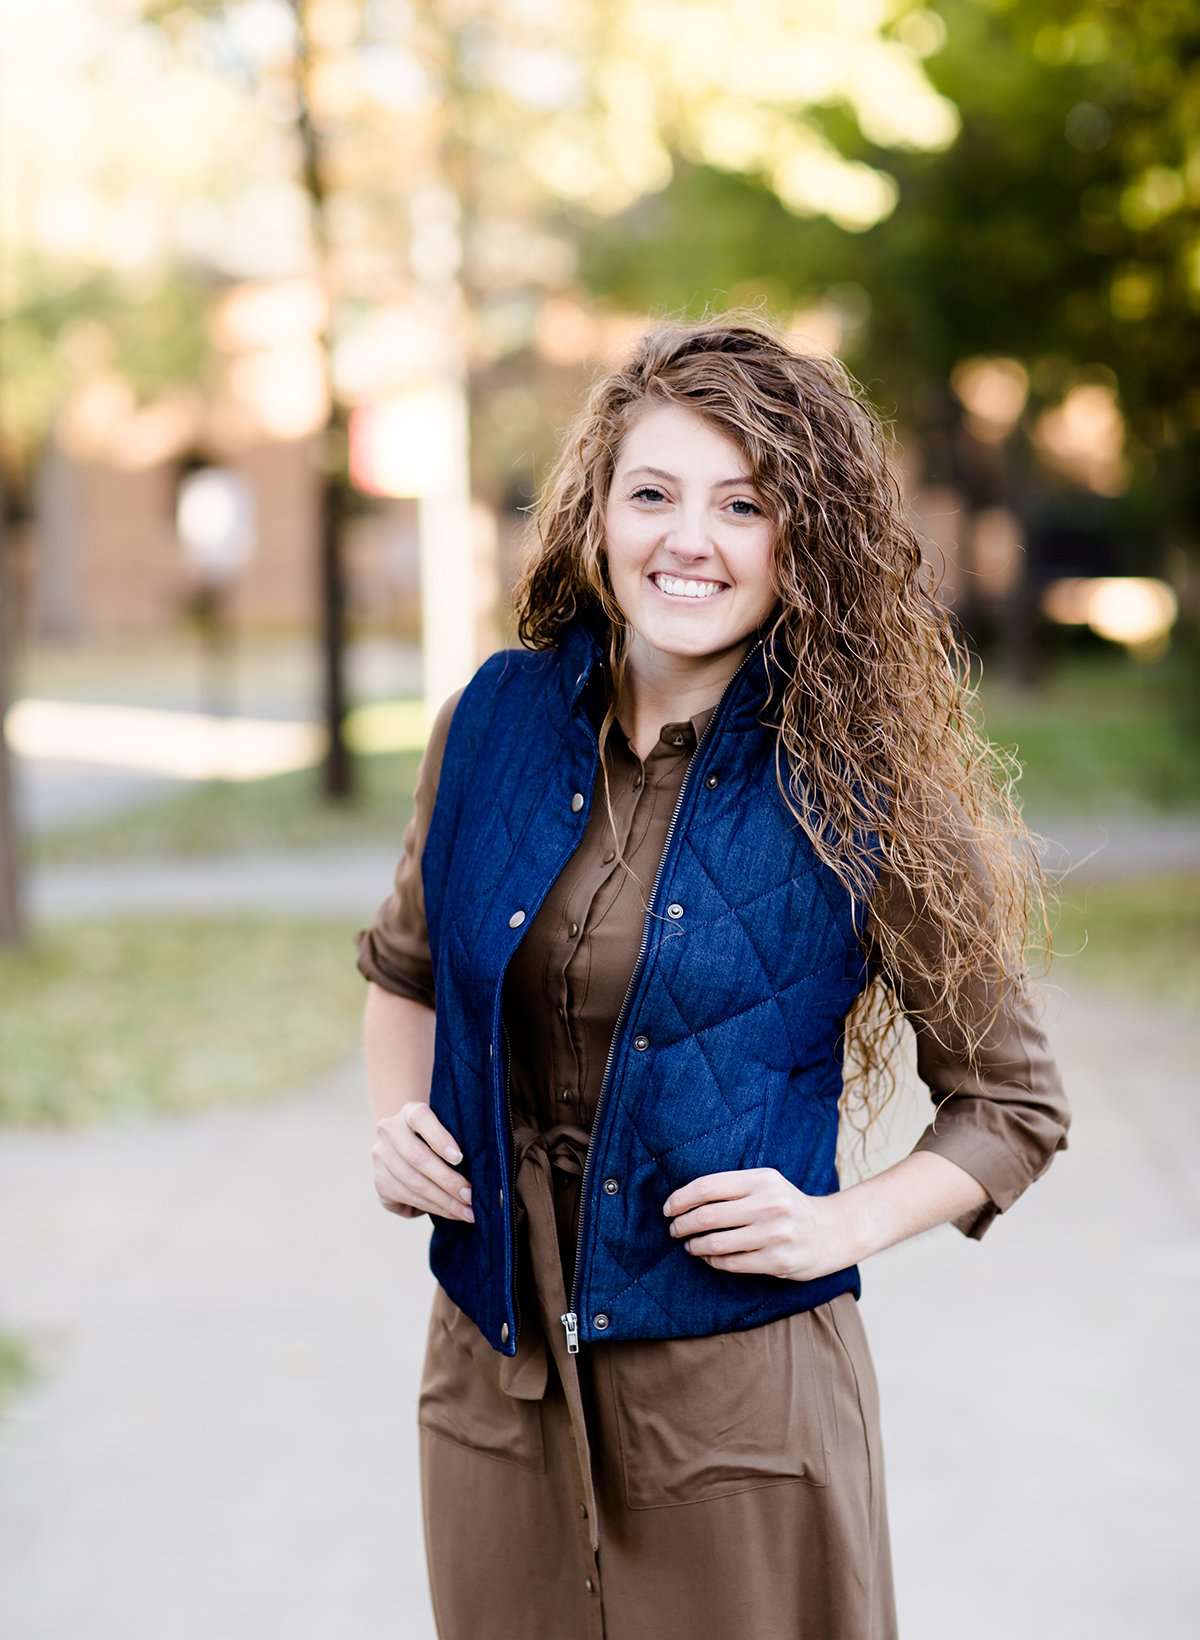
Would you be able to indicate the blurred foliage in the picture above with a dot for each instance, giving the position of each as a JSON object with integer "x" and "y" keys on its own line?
{"x": 60, "y": 326}
{"x": 1059, "y": 228}
{"x": 132, "y": 1015}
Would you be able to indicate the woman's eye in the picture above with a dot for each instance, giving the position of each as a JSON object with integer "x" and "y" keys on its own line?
{"x": 740, "y": 501}
{"x": 648, "y": 490}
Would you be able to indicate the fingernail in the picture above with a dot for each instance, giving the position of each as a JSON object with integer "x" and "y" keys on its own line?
{"x": 465, "y": 1192}
{"x": 454, "y": 1154}
{"x": 470, "y": 1216}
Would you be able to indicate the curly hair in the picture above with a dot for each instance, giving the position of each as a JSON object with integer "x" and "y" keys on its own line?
{"x": 877, "y": 716}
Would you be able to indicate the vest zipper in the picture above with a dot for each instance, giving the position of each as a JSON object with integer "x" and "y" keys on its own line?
{"x": 570, "y": 1317}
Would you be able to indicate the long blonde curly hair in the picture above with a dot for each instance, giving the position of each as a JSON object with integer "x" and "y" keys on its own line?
{"x": 877, "y": 719}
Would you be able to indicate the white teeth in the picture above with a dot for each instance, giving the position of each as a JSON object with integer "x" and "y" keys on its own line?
{"x": 686, "y": 589}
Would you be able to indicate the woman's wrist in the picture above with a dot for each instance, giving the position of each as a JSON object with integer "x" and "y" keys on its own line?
{"x": 914, "y": 1194}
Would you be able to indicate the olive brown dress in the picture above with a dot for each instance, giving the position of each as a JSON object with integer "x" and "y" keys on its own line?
{"x": 729, "y": 1486}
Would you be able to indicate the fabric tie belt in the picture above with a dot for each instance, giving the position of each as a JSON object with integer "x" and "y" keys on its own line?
{"x": 542, "y": 1158}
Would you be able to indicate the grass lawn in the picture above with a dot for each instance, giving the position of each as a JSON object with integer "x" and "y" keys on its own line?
{"x": 127, "y": 1016}
{"x": 1102, "y": 735}
{"x": 230, "y": 816}
{"x": 1140, "y": 937}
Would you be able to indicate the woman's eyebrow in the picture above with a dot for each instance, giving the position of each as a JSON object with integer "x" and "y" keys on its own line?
{"x": 721, "y": 484}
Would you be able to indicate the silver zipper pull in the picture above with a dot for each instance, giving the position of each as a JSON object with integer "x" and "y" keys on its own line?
{"x": 571, "y": 1322}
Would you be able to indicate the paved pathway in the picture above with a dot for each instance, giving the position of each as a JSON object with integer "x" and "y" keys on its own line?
{"x": 222, "y": 1444}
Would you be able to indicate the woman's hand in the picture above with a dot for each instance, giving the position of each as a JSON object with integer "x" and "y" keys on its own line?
{"x": 410, "y": 1177}
{"x": 754, "y": 1220}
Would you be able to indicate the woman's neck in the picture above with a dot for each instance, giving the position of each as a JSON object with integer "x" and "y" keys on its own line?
{"x": 655, "y": 693}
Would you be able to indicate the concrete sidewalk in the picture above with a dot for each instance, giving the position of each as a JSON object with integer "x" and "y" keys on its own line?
{"x": 222, "y": 1443}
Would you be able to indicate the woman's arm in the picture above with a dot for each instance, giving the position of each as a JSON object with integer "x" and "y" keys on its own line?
{"x": 399, "y": 1023}
{"x": 398, "y": 1035}
{"x": 914, "y": 1194}
{"x": 1002, "y": 1115}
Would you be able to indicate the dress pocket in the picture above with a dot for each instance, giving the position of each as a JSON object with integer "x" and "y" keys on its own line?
{"x": 461, "y": 1397}
{"x": 700, "y": 1418}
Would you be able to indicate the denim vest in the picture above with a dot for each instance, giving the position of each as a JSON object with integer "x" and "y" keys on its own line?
{"x": 727, "y": 1049}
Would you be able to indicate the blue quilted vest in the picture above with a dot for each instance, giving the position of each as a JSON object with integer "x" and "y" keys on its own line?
{"x": 727, "y": 1050}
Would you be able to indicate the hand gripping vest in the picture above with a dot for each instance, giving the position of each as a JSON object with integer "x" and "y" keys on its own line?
{"x": 727, "y": 1051}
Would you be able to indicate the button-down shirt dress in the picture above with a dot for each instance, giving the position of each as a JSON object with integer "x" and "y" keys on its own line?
{"x": 729, "y": 1486}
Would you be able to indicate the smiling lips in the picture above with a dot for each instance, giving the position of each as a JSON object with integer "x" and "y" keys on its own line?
{"x": 675, "y": 586}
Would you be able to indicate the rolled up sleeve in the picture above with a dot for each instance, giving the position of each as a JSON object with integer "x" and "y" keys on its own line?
{"x": 1001, "y": 1115}
{"x": 394, "y": 950}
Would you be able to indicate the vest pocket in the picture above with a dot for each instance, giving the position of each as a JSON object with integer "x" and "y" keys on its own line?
{"x": 460, "y": 1395}
{"x": 700, "y": 1418}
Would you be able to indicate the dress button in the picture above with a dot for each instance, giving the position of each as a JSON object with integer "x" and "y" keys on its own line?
{"x": 676, "y": 740}
{"x": 711, "y": 780}
{"x": 675, "y": 909}
{"x": 565, "y": 1094}
{"x": 610, "y": 857}
{"x": 583, "y": 1508}
{"x": 589, "y": 1585}
{"x": 517, "y": 918}
{"x": 611, "y": 1187}
{"x": 577, "y": 802}
{"x": 600, "y": 1321}
{"x": 637, "y": 780}
{"x": 504, "y": 1331}
{"x": 641, "y": 1043}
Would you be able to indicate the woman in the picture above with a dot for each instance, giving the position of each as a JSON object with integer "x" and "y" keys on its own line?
{"x": 722, "y": 816}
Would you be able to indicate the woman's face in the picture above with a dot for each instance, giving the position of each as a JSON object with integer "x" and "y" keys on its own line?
{"x": 689, "y": 541}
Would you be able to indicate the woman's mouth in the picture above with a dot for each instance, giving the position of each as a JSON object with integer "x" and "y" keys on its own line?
{"x": 685, "y": 589}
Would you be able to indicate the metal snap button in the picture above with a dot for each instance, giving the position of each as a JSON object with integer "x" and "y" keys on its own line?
{"x": 517, "y": 918}
{"x": 674, "y": 909}
{"x": 610, "y": 857}
{"x": 504, "y": 1331}
{"x": 589, "y": 1585}
{"x": 583, "y": 1508}
{"x": 577, "y": 802}
{"x": 611, "y": 1187}
{"x": 600, "y": 1321}
{"x": 637, "y": 780}
{"x": 677, "y": 740}
{"x": 711, "y": 780}
{"x": 641, "y": 1043}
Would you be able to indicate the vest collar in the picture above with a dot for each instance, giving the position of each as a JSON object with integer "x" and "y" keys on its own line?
{"x": 583, "y": 647}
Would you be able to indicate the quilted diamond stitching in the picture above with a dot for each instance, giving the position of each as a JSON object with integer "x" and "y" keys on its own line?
{"x": 694, "y": 1036}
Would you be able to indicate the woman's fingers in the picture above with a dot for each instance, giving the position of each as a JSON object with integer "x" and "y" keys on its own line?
{"x": 418, "y": 1113}
{"x": 398, "y": 1180}
{"x": 410, "y": 1144}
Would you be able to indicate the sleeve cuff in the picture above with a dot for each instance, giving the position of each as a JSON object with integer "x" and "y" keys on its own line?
{"x": 972, "y": 1144}
{"x": 387, "y": 977}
